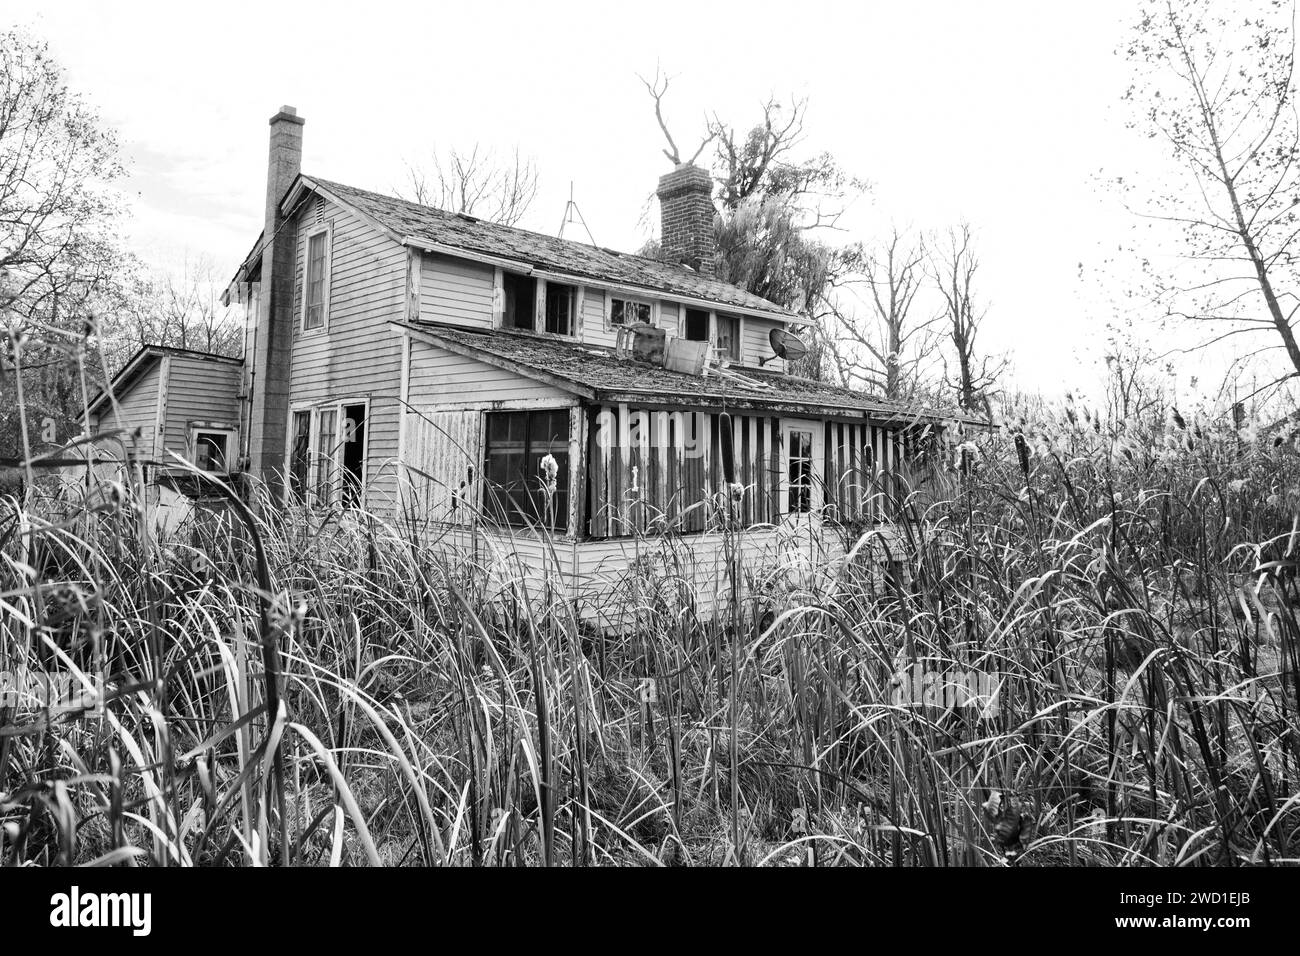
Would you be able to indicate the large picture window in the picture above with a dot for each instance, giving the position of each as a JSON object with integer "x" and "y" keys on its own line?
{"x": 520, "y": 491}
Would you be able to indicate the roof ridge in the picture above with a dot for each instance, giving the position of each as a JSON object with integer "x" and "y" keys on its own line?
{"x": 683, "y": 273}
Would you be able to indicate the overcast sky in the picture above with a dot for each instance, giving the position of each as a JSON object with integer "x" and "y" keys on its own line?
{"x": 1001, "y": 113}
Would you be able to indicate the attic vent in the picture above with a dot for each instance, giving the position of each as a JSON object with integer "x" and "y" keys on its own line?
{"x": 319, "y": 211}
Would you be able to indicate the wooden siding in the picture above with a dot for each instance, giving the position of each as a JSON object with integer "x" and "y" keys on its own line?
{"x": 357, "y": 355}
{"x": 199, "y": 391}
{"x": 438, "y": 376}
{"x": 456, "y": 291}
{"x": 860, "y": 468}
{"x": 755, "y": 345}
{"x": 447, "y": 395}
{"x": 138, "y": 405}
{"x": 652, "y": 470}
{"x": 442, "y": 451}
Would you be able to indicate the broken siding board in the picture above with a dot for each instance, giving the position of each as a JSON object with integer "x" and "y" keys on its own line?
{"x": 442, "y": 451}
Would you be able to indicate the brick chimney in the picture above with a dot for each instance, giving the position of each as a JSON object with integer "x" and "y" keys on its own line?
{"x": 273, "y": 333}
{"x": 686, "y": 218}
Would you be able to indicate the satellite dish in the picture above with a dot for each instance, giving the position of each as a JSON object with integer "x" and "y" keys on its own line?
{"x": 786, "y": 345}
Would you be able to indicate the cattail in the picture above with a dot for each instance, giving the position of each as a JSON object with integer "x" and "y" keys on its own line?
{"x": 1022, "y": 452}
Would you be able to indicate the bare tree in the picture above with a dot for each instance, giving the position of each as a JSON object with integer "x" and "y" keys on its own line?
{"x": 657, "y": 88}
{"x": 174, "y": 309}
{"x": 953, "y": 267}
{"x": 879, "y": 340}
{"x": 477, "y": 183}
{"x": 1215, "y": 84}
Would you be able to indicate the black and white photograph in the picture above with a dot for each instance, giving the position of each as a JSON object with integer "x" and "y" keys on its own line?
{"x": 747, "y": 437}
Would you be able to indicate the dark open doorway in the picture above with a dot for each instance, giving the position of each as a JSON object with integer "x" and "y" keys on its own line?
{"x": 354, "y": 454}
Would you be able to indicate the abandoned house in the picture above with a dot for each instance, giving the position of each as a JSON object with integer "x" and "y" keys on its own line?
{"x": 503, "y": 388}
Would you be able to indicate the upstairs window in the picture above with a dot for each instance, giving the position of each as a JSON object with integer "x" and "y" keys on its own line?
{"x": 520, "y": 306}
{"x": 317, "y": 280}
{"x": 561, "y": 306}
{"x": 728, "y": 337}
{"x": 629, "y": 312}
{"x": 520, "y": 492}
{"x": 697, "y": 325}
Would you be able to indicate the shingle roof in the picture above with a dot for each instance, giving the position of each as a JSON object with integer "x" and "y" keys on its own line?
{"x": 547, "y": 252}
{"x": 598, "y": 371}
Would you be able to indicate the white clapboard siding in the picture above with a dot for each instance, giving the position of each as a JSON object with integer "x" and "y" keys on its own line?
{"x": 199, "y": 390}
{"x": 756, "y": 345}
{"x": 358, "y": 355}
{"x": 438, "y": 376}
{"x": 137, "y": 408}
{"x": 455, "y": 291}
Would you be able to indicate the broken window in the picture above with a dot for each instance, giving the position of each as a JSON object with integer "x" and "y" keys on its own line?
{"x": 524, "y": 488}
{"x": 314, "y": 314}
{"x": 629, "y": 312}
{"x": 561, "y": 305}
{"x": 325, "y": 456}
{"x": 300, "y": 456}
{"x": 211, "y": 449}
{"x": 520, "y": 301}
{"x": 728, "y": 337}
{"x": 697, "y": 325}
{"x": 354, "y": 454}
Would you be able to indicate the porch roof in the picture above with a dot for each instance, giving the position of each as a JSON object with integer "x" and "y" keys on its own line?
{"x": 597, "y": 374}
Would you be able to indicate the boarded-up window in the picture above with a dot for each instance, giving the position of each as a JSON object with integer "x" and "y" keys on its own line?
{"x": 315, "y": 315}
{"x": 526, "y": 465}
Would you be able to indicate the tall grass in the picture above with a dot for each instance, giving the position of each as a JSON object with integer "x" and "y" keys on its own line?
{"x": 343, "y": 689}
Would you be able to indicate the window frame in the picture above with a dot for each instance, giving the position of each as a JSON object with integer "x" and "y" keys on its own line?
{"x": 716, "y": 320}
{"x": 562, "y": 525}
{"x": 325, "y": 229}
{"x": 311, "y": 497}
{"x": 612, "y": 297}
{"x": 544, "y": 301}
{"x": 229, "y": 432}
{"x": 816, "y": 451}
{"x": 500, "y": 295}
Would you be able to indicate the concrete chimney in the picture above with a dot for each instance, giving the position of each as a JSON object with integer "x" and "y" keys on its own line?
{"x": 686, "y": 218}
{"x": 269, "y": 360}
